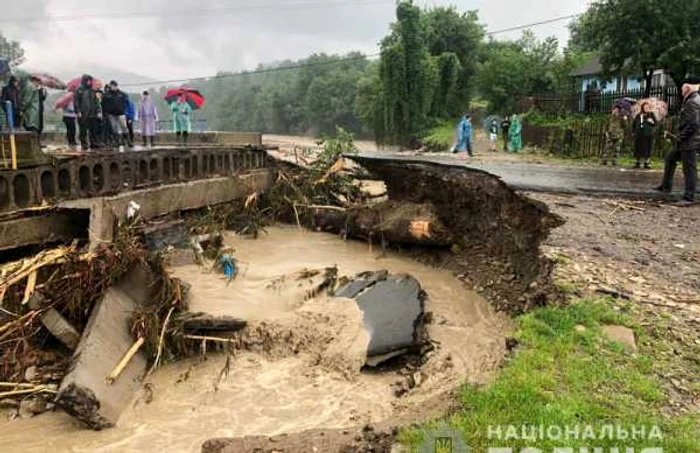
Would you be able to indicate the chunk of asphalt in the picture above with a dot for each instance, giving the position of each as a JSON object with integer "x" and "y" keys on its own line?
{"x": 392, "y": 306}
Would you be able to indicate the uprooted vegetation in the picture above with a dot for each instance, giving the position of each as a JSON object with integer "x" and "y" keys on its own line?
{"x": 69, "y": 281}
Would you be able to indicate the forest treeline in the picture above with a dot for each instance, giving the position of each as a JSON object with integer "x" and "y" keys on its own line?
{"x": 433, "y": 62}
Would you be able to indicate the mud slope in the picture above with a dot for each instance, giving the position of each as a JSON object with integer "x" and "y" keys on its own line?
{"x": 496, "y": 232}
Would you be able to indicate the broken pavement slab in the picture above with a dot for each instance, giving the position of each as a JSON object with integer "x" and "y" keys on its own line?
{"x": 393, "y": 309}
{"x": 85, "y": 392}
{"x": 55, "y": 323}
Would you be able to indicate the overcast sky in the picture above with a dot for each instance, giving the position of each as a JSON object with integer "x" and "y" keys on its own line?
{"x": 179, "y": 42}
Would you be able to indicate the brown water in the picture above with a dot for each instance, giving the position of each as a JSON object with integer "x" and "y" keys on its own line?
{"x": 319, "y": 387}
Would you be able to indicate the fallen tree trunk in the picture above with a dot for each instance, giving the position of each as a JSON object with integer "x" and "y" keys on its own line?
{"x": 389, "y": 221}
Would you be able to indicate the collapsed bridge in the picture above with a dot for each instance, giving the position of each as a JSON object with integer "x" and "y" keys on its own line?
{"x": 55, "y": 197}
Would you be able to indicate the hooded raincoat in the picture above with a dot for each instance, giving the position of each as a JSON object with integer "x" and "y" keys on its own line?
{"x": 181, "y": 117}
{"x": 515, "y": 138}
{"x": 464, "y": 135}
{"x": 148, "y": 115}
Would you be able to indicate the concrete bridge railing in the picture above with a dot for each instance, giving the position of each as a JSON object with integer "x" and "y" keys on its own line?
{"x": 110, "y": 173}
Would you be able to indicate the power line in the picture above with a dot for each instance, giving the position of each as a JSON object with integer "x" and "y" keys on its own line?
{"x": 534, "y": 24}
{"x": 327, "y": 63}
{"x": 195, "y": 12}
{"x": 256, "y": 71}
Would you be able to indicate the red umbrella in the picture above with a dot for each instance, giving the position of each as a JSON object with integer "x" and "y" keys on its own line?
{"x": 64, "y": 100}
{"x": 75, "y": 83}
{"x": 47, "y": 81}
{"x": 193, "y": 97}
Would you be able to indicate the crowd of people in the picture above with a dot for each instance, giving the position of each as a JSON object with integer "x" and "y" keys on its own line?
{"x": 106, "y": 118}
{"x": 95, "y": 117}
{"x": 26, "y": 103}
{"x": 510, "y": 127}
{"x": 643, "y": 129}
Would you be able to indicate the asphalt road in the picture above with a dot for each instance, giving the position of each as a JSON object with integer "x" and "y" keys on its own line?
{"x": 610, "y": 181}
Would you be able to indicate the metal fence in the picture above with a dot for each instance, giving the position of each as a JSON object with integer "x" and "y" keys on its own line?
{"x": 593, "y": 101}
{"x": 587, "y": 139}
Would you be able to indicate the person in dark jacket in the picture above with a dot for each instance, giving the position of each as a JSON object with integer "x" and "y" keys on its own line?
{"x": 115, "y": 104}
{"x": 505, "y": 127}
{"x": 11, "y": 93}
{"x": 89, "y": 113}
{"x": 688, "y": 143}
{"x": 644, "y": 128}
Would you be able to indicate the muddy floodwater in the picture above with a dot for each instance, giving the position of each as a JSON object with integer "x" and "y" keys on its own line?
{"x": 312, "y": 380}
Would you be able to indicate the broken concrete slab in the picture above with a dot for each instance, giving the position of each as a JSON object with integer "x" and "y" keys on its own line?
{"x": 84, "y": 392}
{"x": 393, "y": 309}
{"x": 55, "y": 323}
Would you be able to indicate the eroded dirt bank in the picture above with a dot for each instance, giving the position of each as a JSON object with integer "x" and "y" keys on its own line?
{"x": 495, "y": 232}
{"x": 307, "y": 378}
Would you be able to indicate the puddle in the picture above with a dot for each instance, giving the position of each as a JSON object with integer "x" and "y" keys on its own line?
{"x": 312, "y": 383}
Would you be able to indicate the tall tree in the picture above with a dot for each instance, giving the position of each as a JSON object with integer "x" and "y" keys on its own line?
{"x": 12, "y": 50}
{"x": 449, "y": 34}
{"x": 408, "y": 76}
{"x": 509, "y": 70}
{"x": 502, "y": 76}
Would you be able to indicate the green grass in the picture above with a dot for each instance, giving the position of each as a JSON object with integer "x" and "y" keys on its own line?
{"x": 565, "y": 377}
{"x": 441, "y": 138}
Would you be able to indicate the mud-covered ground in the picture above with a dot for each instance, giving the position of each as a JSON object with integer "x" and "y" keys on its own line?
{"x": 646, "y": 256}
{"x": 645, "y": 250}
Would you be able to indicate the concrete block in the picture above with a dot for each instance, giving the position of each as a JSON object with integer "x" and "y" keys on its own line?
{"x": 55, "y": 323}
{"x": 84, "y": 392}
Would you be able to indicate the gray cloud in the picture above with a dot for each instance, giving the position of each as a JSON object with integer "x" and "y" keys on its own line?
{"x": 174, "y": 46}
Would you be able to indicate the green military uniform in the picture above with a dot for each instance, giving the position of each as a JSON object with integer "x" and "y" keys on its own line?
{"x": 615, "y": 129}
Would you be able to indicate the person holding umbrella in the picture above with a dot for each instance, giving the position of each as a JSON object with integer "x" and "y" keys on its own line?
{"x": 493, "y": 134}
{"x": 182, "y": 102}
{"x": 181, "y": 119}
{"x": 644, "y": 128}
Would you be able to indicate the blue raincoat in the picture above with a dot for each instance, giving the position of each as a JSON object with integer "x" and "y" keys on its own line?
{"x": 464, "y": 135}
{"x": 130, "y": 111}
